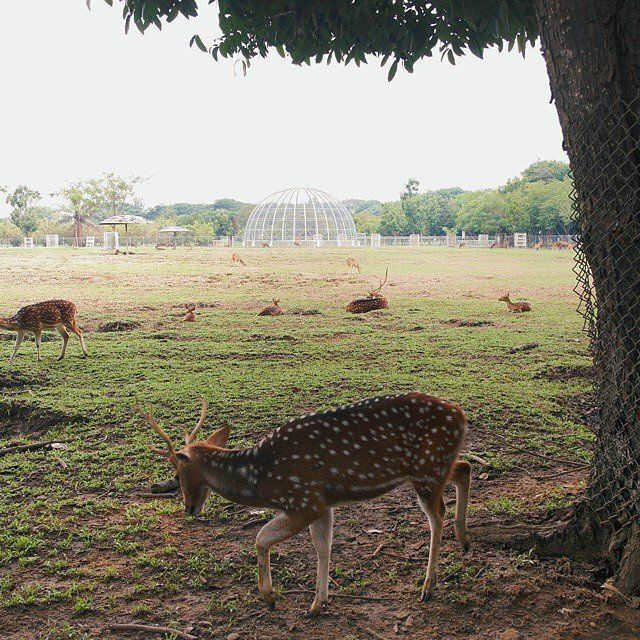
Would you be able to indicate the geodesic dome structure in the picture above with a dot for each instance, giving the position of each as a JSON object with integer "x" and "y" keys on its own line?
{"x": 300, "y": 215}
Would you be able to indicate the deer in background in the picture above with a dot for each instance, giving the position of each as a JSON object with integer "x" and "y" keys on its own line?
{"x": 462, "y": 245}
{"x": 52, "y": 314}
{"x": 191, "y": 313}
{"x": 352, "y": 264}
{"x": 562, "y": 245}
{"x": 272, "y": 309}
{"x": 515, "y": 307}
{"x": 375, "y": 300}
{"x": 308, "y": 466}
{"x": 538, "y": 245}
{"x": 237, "y": 259}
{"x": 297, "y": 243}
{"x": 266, "y": 245}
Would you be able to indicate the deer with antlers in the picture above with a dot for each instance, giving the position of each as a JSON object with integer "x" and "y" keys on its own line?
{"x": 375, "y": 300}
{"x": 272, "y": 309}
{"x": 34, "y": 318}
{"x": 237, "y": 259}
{"x": 353, "y": 264}
{"x": 314, "y": 463}
{"x": 515, "y": 307}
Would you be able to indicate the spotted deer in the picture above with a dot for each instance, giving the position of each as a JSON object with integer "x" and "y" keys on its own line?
{"x": 237, "y": 259}
{"x": 353, "y": 264}
{"x": 305, "y": 468}
{"x": 515, "y": 307}
{"x": 272, "y": 309}
{"x": 538, "y": 245}
{"x": 375, "y": 300}
{"x": 51, "y": 314}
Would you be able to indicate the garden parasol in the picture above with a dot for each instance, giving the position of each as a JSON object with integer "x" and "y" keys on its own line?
{"x": 125, "y": 220}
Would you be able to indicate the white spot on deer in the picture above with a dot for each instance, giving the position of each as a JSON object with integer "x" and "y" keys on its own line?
{"x": 332, "y": 452}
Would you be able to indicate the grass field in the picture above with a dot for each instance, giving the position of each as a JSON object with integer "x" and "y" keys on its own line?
{"x": 82, "y": 545}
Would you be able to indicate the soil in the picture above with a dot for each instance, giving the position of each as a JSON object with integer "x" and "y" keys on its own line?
{"x": 118, "y": 325}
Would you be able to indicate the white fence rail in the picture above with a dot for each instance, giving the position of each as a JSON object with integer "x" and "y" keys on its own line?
{"x": 376, "y": 240}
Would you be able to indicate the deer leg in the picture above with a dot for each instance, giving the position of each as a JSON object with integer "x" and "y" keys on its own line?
{"x": 322, "y": 535}
{"x": 38, "y": 337}
{"x": 75, "y": 329}
{"x": 461, "y": 478}
{"x": 19, "y": 339}
{"x": 64, "y": 334}
{"x": 432, "y": 504}
{"x": 280, "y": 528}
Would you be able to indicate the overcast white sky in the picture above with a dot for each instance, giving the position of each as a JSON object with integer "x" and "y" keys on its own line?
{"x": 79, "y": 98}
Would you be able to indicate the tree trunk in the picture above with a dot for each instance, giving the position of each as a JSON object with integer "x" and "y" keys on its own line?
{"x": 592, "y": 52}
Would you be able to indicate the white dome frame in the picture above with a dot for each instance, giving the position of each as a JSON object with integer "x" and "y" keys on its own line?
{"x": 300, "y": 215}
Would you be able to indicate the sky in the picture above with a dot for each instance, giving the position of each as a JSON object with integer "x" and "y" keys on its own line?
{"x": 81, "y": 97}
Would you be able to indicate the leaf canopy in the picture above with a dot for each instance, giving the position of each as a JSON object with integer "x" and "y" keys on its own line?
{"x": 400, "y": 31}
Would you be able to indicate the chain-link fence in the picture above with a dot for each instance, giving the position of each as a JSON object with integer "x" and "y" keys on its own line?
{"x": 607, "y": 221}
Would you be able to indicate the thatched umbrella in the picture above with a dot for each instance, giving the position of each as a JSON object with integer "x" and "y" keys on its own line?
{"x": 125, "y": 220}
{"x": 175, "y": 231}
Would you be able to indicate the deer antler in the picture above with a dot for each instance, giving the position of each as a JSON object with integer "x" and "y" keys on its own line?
{"x": 382, "y": 282}
{"x": 171, "y": 452}
{"x": 189, "y": 438}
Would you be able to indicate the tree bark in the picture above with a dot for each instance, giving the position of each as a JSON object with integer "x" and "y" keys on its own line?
{"x": 592, "y": 52}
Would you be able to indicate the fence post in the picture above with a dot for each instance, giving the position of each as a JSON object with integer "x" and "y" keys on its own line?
{"x": 28, "y": 243}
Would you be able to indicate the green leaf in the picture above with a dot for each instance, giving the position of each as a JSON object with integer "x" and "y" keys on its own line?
{"x": 392, "y": 70}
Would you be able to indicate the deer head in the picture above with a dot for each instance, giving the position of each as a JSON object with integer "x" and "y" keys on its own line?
{"x": 505, "y": 298}
{"x": 276, "y": 302}
{"x": 188, "y": 461}
{"x": 376, "y": 292}
{"x": 9, "y": 324}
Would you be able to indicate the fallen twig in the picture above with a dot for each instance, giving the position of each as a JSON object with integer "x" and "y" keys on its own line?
{"x": 377, "y": 551}
{"x": 149, "y": 494}
{"x": 151, "y": 629}
{"x": 61, "y": 462}
{"x": 476, "y": 458}
{"x": 399, "y": 557}
{"x": 562, "y": 473}
{"x": 538, "y": 455}
{"x": 34, "y": 446}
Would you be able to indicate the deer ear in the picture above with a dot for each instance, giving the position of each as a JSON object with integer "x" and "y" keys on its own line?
{"x": 219, "y": 437}
{"x": 183, "y": 457}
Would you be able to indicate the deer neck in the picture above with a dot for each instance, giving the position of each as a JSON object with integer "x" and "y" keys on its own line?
{"x": 233, "y": 473}
{"x": 9, "y": 324}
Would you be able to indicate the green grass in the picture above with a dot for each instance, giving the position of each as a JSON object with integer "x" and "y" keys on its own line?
{"x": 255, "y": 373}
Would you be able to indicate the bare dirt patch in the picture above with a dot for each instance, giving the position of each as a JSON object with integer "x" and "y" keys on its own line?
{"x": 118, "y": 325}
{"x": 457, "y": 322}
{"x": 19, "y": 418}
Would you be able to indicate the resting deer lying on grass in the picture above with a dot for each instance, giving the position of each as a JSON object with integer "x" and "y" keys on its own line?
{"x": 272, "y": 309}
{"x": 314, "y": 463}
{"x": 237, "y": 259}
{"x": 52, "y": 314}
{"x": 190, "y": 316}
{"x": 352, "y": 264}
{"x": 515, "y": 307}
{"x": 375, "y": 300}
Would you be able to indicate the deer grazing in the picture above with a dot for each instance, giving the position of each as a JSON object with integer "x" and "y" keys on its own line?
{"x": 272, "y": 309}
{"x": 52, "y": 314}
{"x": 265, "y": 245}
{"x": 375, "y": 300}
{"x": 305, "y": 468}
{"x": 237, "y": 259}
{"x": 562, "y": 245}
{"x": 190, "y": 316}
{"x": 515, "y": 307}
{"x": 352, "y": 264}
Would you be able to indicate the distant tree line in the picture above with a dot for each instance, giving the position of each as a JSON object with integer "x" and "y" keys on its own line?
{"x": 537, "y": 202}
